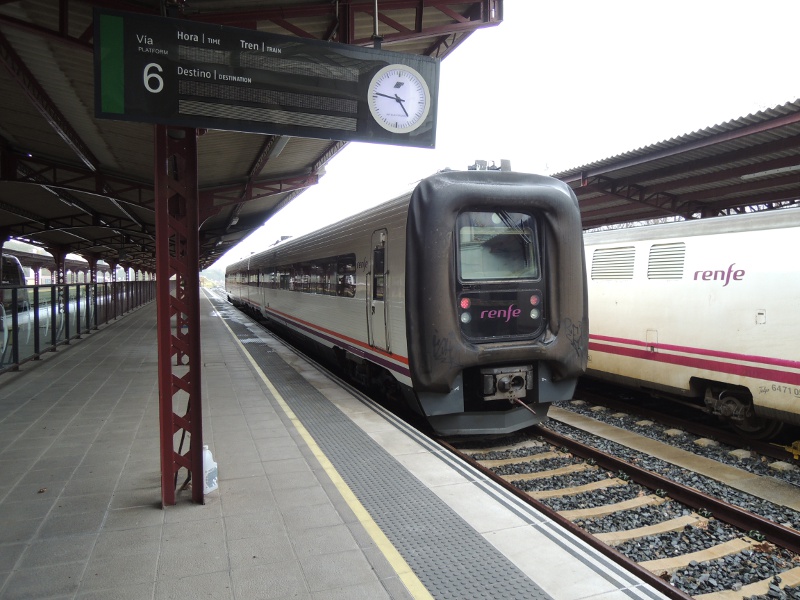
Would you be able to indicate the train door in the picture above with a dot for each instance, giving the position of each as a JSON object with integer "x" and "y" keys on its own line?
{"x": 377, "y": 307}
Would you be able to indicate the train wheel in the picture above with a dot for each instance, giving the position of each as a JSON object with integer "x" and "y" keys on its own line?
{"x": 735, "y": 408}
{"x": 757, "y": 428}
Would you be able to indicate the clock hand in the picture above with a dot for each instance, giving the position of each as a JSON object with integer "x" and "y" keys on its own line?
{"x": 396, "y": 98}
{"x": 400, "y": 102}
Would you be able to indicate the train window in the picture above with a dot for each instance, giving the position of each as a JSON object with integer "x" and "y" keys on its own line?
{"x": 316, "y": 278}
{"x": 329, "y": 277}
{"x": 302, "y": 277}
{"x": 666, "y": 261}
{"x": 497, "y": 245}
{"x": 285, "y": 277}
{"x": 346, "y": 276}
{"x": 378, "y": 278}
{"x": 613, "y": 263}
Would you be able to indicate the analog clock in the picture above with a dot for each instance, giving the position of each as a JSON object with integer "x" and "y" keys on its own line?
{"x": 399, "y": 98}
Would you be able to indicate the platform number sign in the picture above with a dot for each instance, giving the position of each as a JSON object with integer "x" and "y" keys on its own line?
{"x": 189, "y": 74}
{"x": 153, "y": 81}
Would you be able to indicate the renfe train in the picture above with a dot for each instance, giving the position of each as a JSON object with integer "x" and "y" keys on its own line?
{"x": 706, "y": 309}
{"x": 460, "y": 299}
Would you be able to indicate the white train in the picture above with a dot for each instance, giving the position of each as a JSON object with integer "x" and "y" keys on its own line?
{"x": 459, "y": 299}
{"x": 12, "y": 277}
{"x": 707, "y": 309}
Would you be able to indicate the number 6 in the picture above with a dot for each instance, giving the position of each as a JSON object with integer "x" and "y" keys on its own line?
{"x": 150, "y": 76}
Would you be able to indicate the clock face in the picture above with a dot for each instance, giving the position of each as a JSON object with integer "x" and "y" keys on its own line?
{"x": 399, "y": 98}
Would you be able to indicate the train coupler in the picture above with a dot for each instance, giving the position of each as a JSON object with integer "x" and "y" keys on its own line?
{"x": 507, "y": 383}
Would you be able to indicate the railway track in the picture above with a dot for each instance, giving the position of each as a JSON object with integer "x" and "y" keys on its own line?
{"x": 614, "y": 399}
{"x": 684, "y": 542}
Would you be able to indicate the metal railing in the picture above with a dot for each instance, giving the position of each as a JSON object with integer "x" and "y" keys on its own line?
{"x": 36, "y": 319}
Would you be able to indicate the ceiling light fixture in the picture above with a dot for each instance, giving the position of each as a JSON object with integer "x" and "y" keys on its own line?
{"x": 778, "y": 171}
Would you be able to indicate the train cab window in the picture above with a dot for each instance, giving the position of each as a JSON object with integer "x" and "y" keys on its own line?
{"x": 497, "y": 245}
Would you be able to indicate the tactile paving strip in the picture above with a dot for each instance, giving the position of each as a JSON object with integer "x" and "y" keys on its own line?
{"x": 449, "y": 557}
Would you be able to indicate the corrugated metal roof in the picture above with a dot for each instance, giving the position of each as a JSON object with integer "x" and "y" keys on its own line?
{"x": 749, "y": 163}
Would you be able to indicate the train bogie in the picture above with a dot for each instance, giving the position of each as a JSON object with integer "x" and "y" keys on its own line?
{"x": 466, "y": 298}
{"x": 703, "y": 309}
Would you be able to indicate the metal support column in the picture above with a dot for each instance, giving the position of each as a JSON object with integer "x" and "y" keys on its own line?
{"x": 91, "y": 294}
{"x": 126, "y": 304}
{"x": 177, "y": 255}
{"x": 59, "y": 296}
{"x": 114, "y": 296}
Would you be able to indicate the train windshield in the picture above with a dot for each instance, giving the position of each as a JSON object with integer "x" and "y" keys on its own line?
{"x": 496, "y": 245}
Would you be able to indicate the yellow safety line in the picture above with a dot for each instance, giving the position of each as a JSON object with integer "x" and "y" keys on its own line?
{"x": 398, "y": 563}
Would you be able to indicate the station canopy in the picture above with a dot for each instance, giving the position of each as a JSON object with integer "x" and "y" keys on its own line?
{"x": 72, "y": 183}
{"x": 747, "y": 164}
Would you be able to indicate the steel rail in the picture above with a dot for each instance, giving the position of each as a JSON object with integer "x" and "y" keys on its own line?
{"x": 728, "y": 513}
{"x": 775, "y": 451}
{"x": 612, "y": 553}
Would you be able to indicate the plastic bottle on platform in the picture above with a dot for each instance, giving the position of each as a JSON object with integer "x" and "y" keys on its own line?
{"x": 209, "y": 471}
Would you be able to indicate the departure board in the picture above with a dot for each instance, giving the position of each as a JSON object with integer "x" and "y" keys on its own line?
{"x": 184, "y": 73}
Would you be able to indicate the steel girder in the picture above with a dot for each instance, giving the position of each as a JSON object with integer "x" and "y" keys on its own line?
{"x": 177, "y": 247}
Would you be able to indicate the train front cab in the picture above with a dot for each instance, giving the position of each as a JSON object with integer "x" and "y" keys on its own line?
{"x": 496, "y": 299}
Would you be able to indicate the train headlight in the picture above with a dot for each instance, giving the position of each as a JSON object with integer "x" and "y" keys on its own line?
{"x": 466, "y": 317}
{"x": 535, "y": 313}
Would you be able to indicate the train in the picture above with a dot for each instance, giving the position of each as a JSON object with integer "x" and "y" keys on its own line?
{"x": 12, "y": 277}
{"x": 464, "y": 300}
{"x": 704, "y": 311}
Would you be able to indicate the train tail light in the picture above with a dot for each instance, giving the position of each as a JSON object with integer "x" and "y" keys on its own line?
{"x": 465, "y": 303}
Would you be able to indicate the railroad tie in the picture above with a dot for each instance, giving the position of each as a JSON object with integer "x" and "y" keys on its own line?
{"x": 673, "y": 563}
{"x": 614, "y": 538}
{"x": 597, "y": 512}
{"x": 790, "y": 578}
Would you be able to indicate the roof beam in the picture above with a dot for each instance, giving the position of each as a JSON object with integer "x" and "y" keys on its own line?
{"x": 41, "y": 100}
{"x": 50, "y": 34}
{"x": 597, "y": 182}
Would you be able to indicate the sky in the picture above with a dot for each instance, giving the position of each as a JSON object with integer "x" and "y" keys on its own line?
{"x": 562, "y": 83}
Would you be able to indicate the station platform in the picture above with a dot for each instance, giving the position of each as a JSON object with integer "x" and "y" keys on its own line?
{"x": 322, "y": 495}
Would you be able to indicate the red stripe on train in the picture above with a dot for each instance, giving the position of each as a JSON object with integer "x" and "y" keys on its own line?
{"x": 765, "y": 360}
{"x": 707, "y": 364}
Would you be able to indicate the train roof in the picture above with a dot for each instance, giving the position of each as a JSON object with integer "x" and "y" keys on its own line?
{"x": 291, "y": 244}
{"x": 755, "y": 221}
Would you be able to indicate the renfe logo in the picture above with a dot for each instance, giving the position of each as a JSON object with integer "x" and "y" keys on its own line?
{"x": 725, "y": 276}
{"x": 502, "y": 313}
